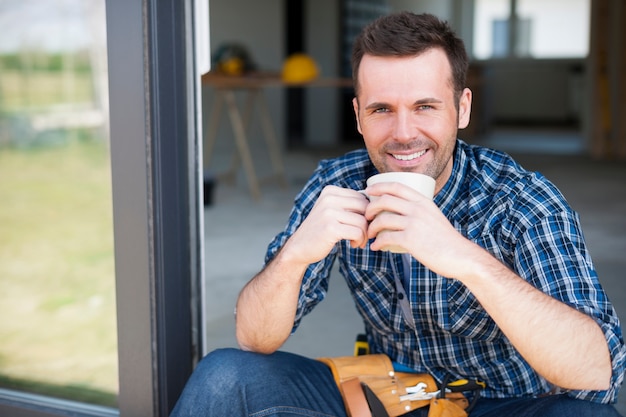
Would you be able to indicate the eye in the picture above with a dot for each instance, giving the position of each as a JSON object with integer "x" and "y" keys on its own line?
{"x": 425, "y": 107}
{"x": 381, "y": 110}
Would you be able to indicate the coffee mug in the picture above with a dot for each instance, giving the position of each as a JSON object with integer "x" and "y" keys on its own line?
{"x": 421, "y": 183}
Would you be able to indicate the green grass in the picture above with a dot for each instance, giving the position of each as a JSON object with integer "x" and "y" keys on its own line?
{"x": 39, "y": 89}
{"x": 58, "y": 327}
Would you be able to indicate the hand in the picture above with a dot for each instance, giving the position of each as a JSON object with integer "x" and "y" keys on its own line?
{"x": 417, "y": 224}
{"x": 338, "y": 214}
{"x": 401, "y": 216}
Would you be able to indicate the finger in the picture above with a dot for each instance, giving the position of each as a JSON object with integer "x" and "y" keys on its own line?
{"x": 386, "y": 238}
{"x": 342, "y": 199}
{"x": 395, "y": 189}
{"x": 354, "y": 227}
{"x": 386, "y": 203}
{"x": 356, "y": 235}
{"x": 331, "y": 225}
{"x": 386, "y": 220}
{"x": 361, "y": 242}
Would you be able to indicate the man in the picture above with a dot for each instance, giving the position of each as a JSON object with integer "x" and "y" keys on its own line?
{"x": 500, "y": 285}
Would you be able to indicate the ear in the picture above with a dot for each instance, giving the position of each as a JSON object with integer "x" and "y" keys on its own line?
{"x": 465, "y": 108}
{"x": 355, "y": 106}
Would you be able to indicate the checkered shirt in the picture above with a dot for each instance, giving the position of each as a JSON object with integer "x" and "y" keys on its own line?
{"x": 520, "y": 218}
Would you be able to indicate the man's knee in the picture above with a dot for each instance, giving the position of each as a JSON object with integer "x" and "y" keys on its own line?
{"x": 231, "y": 368}
{"x": 226, "y": 369}
{"x": 235, "y": 382}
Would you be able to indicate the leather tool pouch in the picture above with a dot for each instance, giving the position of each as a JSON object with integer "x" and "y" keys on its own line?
{"x": 371, "y": 388}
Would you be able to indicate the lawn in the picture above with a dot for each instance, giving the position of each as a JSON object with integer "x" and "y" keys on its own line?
{"x": 40, "y": 90}
{"x": 58, "y": 327}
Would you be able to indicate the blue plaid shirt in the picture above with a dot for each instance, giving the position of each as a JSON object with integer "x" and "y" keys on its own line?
{"x": 519, "y": 217}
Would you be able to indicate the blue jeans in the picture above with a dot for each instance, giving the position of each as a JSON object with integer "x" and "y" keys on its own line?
{"x": 231, "y": 382}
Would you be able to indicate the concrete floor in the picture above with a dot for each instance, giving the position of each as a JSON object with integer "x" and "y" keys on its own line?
{"x": 238, "y": 229}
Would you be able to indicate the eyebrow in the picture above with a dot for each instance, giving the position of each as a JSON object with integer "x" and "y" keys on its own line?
{"x": 427, "y": 100}
{"x": 376, "y": 105}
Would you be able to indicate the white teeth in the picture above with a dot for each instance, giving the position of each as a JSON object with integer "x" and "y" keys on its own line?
{"x": 409, "y": 157}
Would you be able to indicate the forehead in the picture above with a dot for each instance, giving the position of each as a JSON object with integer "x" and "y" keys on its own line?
{"x": 428, "y": 72}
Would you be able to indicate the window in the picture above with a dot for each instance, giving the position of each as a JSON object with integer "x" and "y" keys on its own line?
{"x": 154, "y": 186}
{"x": 531, "y": 28}
{"x": 560, "y": 28}
{"x": 56, "y": 249}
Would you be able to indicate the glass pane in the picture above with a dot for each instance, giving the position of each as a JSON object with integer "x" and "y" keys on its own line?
{"x": 558, "y": 28}
{"x": 58, "y": 327}
{"x": 490, "y": 28}
{"x": 545, "y": 28}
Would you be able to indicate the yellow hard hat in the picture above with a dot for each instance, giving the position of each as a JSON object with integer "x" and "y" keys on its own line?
{"x": 231, "y": 66}
{"x": 233, "y": 59}
{"x": 299, "y": 68}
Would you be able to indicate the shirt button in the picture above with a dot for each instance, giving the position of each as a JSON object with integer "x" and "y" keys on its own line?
{"x": 400, "y": 296}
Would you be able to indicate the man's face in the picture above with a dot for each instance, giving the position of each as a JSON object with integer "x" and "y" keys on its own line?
{"x": 407, "y": 115}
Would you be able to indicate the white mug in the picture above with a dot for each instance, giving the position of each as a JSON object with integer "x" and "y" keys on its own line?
{"x": 421, "y": 183}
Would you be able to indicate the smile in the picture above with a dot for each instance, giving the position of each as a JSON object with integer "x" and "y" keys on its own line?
{"x": 410, "y": 156}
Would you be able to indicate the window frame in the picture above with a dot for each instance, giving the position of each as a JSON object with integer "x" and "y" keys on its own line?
{"x": 156, "y": 211}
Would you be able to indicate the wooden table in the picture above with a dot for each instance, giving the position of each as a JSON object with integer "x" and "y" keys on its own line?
{"x": 253, "y": 85}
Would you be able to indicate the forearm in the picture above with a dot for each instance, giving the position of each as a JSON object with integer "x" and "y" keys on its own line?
{"x": 266, "y": 306}
{"x": 562, "y": 344}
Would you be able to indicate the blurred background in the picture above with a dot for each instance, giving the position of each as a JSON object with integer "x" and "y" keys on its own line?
{"x": 547, "y": 78}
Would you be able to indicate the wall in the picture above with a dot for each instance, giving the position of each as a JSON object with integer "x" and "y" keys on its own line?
{"x": 322, "y": 43}
{"x": 258, "y": 25}
{"x": 534, "y": 91}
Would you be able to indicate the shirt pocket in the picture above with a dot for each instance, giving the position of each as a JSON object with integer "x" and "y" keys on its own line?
{"x": 466, "y": 317}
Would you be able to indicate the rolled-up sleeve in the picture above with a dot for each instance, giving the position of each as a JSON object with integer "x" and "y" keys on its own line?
{"x": 553, "y": 257}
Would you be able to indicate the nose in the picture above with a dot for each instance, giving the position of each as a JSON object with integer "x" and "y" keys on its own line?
{"x": 403, "y": 126}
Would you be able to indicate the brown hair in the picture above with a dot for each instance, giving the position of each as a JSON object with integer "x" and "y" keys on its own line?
{"x": 408, "y": 34}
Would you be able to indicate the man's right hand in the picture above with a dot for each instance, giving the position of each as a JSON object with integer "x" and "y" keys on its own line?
{"x": 337, "y": 215}
{"x": 266, "y": 306}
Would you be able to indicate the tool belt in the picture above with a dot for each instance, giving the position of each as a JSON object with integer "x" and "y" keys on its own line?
{"x": 371, "y": 388}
